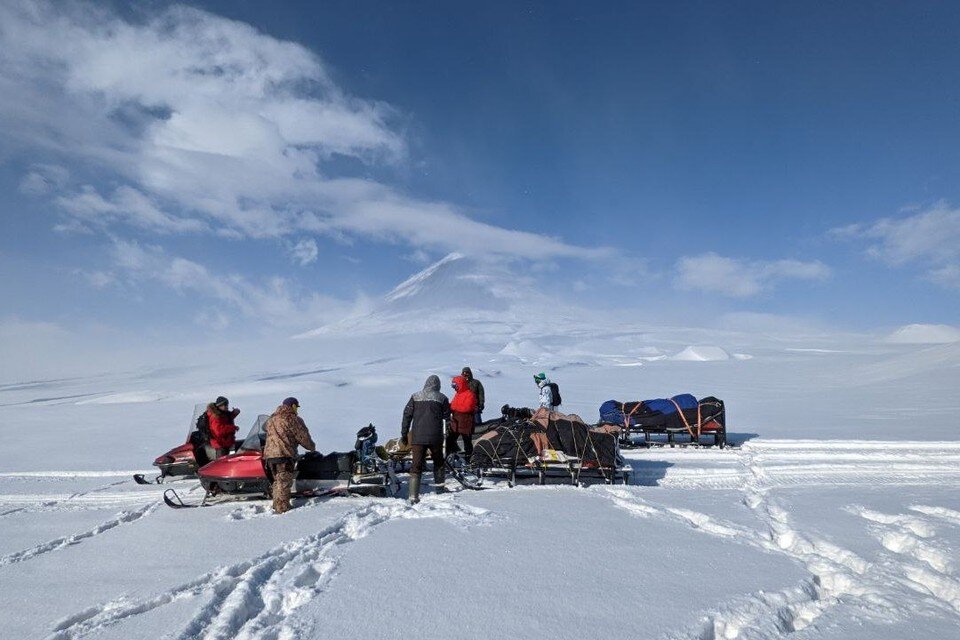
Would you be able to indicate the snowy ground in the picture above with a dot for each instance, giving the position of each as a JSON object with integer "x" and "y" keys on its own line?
{"x": 772, "y": 538}
{"x": 837, "y": 516}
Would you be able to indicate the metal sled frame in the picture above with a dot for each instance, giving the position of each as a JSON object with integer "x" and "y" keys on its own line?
{"x": 542, "y": 470}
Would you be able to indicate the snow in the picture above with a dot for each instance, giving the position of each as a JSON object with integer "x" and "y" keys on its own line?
{"x": 836, "y": 515}
{"x": 704, "y": 353}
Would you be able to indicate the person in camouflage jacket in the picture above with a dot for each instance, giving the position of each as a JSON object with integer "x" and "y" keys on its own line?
{"x": 285, "y": 430}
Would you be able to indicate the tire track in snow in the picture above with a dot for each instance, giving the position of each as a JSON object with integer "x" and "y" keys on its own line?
{"x": 252, "y": 599}
{"x": 125, "y": 517}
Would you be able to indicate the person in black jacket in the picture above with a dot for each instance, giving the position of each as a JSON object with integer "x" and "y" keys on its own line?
{"x": 477, "y": 387}
{"x": 422, "y": 430}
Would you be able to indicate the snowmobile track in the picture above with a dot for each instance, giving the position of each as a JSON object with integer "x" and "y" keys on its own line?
{"x": 125, "y": 517}
{"x": 253, "y": 598}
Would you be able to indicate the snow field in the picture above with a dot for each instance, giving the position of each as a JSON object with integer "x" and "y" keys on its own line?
{"x": 836, "y": 516}
{"x": 283, "y": 591}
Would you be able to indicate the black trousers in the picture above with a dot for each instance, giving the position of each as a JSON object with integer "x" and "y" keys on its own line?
{"x": 419, "y": 452}
{"x": 453, "y": 447}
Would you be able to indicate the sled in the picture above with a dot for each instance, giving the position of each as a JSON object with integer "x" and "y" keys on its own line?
{"x": 680, "y": 421}
{"x": 551, "y": 444}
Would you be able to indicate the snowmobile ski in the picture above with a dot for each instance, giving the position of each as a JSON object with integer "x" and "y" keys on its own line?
{"x": 465, "y": 474}
{"x": 140, "y": 478}
{"x": 174, "y": 501}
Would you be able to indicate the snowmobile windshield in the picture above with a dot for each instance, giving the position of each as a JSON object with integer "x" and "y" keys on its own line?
{"x": 257, "y": 436}
{"x": 198, "y": 410}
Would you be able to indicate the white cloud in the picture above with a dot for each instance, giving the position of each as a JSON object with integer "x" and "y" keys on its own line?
{"x": 43, "y": 179}
{"x": 739, "y": 278}
{"x": 212, "y": 124}
{"x": 305, "y": 251}
{"x": 273, "y": 301}
{"x": 770, "y": 323}
{"x": 946, "y": 276}
{"x": 929, "y": 237}
{"x": 125, "y": 204}
{"x": 925, "y": 334}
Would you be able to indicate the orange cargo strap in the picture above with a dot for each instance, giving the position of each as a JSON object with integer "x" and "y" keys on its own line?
{"x": 627, "y": 416}
{"x": 684, "y": 418}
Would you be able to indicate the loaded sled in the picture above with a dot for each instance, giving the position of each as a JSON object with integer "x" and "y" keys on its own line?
{"x": 550, "y": 445}
{"x": 681, "y": 420}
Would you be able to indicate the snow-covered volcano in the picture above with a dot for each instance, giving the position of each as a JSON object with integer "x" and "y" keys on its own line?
{"x": 461, "y": 294}
{"x": 458, "y": 282}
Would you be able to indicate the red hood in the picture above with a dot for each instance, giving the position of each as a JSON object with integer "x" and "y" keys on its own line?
{"x": 459, "y": 383}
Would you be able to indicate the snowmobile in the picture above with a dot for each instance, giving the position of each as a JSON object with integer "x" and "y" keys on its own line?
{"x": 243, "y": 473}
{"x": 184, "y": 460}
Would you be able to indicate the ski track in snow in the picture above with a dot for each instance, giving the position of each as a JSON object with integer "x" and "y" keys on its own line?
{"x": 253, "y": 599}
{"x": 125, "y": 517}
{"x": 96, "y": 497}
{"x": 838, "y": 576}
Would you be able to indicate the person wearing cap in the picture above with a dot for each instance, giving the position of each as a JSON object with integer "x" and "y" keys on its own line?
{"x": 285, "y": 431}
{"x": 223, "y": 431}
{"x": 477, "y": 387}
{"x": 546, "y": 391}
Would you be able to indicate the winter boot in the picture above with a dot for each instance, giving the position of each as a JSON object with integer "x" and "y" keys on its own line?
{"x": 413, "y": 493}
{"x": 439, "y": 477}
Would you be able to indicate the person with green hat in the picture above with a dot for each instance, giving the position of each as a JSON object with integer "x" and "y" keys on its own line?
{"x": 549, "y": 392}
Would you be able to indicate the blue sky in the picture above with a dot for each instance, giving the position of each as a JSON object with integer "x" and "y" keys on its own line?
{"x": 281, "y": 163}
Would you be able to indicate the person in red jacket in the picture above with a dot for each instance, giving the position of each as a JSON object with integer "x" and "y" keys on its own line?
{"x": 463, "y": 408}
{"x": 223, "y": 431}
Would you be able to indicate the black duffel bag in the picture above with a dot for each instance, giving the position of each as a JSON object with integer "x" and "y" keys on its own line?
{"x": 333, "y": 466}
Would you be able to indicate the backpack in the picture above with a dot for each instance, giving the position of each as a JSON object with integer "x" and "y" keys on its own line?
{"x": 366, "y": 449}
{"x": 203, "y": 427}
{"x": 555, "y": 392}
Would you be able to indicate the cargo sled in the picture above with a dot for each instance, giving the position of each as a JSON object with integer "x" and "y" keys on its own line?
{"x": 662, "y": 421}
{"x": 551, "y": 444}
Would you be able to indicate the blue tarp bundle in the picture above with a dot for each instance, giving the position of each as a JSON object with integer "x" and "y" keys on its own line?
{"x": 612, "y": 411}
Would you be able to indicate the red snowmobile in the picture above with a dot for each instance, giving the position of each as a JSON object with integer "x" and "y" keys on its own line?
{"x": 243, "y": 473}
{"x": 181, "y": 461}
